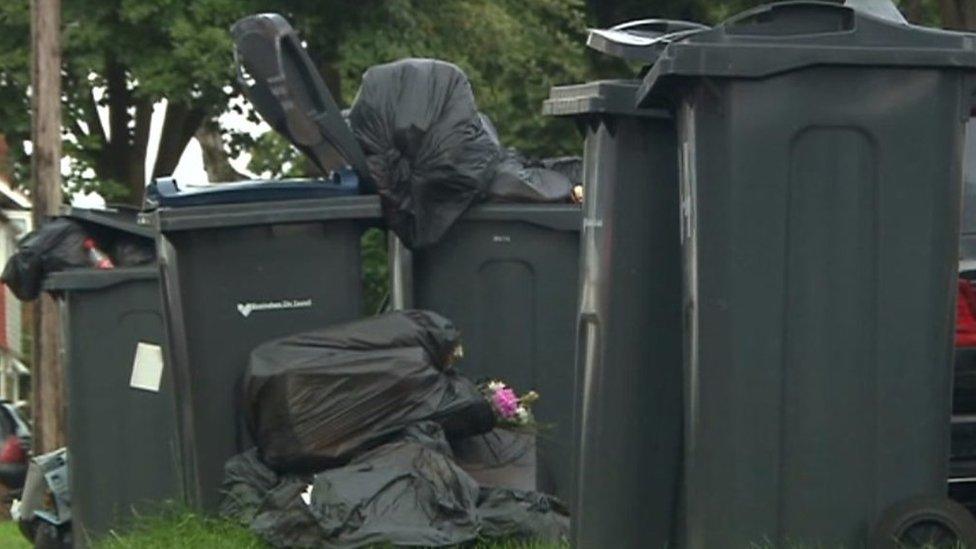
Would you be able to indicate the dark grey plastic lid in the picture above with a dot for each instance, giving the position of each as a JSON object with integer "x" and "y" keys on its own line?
{"x": 366, "y": 207}
{"x": 778, "y": 38}
{"x": 600, "y": 97}
{"x": 641, "y": 40}
{"x": 282, "y": 83}
{"x": 98, "y": 279}
{"x": 117, "y": 219}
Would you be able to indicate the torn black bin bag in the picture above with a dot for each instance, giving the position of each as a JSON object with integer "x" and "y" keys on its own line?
{"x": 518, "y": 181}
{"x": 406, "y": 492}
{"x": 55, "y": 246}
{"x": 256, "y": 497}
{"x": 411, "y": 492}
{"x": 425, "y": 144}
{"x": 318, "y": 399}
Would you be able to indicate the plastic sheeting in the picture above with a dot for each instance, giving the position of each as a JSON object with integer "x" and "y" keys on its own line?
{"x": 316, "y": 400}
{"x": 406, "y": 492}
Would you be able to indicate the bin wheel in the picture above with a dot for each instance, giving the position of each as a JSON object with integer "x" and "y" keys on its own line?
{"x": 925, "y": 522}
{"x": 49, "y": 536}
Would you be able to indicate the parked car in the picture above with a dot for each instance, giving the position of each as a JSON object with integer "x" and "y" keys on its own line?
{"x": 15, "y": 447}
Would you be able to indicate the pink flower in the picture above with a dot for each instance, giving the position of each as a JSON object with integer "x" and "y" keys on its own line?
{"x": 505, "y": 402}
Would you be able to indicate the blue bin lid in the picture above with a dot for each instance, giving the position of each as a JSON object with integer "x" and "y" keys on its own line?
{"x": 168, "y": 193}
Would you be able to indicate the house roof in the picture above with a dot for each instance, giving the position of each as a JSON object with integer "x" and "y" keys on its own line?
{"x": 11, "y": 198}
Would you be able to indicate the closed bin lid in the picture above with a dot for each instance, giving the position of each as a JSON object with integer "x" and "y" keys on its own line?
{"x": 167, "y": 192}
{"x": 264, "y": 209}
{"x": 600, "y": 97}
{"x": 643, "y": 40}
{"x": 281, "y": 81}
{"x": 778, "y": 38}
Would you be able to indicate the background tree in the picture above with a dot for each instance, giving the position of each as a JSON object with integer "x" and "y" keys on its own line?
{"x": 125, "y": 56}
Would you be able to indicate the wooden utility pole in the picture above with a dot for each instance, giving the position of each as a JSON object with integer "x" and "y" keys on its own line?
{"x": 47, "y": 404}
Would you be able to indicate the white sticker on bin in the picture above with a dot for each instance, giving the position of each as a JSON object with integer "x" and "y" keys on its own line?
{"x": 147, "y": 367}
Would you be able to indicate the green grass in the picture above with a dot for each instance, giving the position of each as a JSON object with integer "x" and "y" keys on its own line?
{"x": 191, "y": 531}
{"x": 10, "y": 537}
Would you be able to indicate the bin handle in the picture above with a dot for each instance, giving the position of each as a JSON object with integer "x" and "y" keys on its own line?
{"x": 659, "y": 26}
{"x": 807, "y": 17}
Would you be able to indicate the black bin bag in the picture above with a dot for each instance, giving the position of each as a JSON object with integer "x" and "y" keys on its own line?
{"x": 56, "y": 246}
{"x": 316, "y": 400}
{"x": 427, "y": 149}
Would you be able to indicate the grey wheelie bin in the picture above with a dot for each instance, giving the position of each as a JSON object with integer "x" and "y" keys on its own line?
{"x": 507, "y": 276}
{"x": 122, "y": 430}
{"x": 629, "y": 348}
{"x": 241, "y": 265}
{"x": 820, "y": 170}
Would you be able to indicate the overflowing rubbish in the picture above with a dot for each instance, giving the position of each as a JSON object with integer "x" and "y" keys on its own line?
{"x": 318, "y": 399}
{"x": 431, "y": 153}
{"x": 426, "y": 146}
{"x": 64, "y": 243}
{"x": 409, "y": 491}
{"x": 56, "y": 246}
{"x": 502, "y": 458}
{"x": 366, "y": 432}
{"x": 44, "y": 511}
{"x": 414, "y": 133}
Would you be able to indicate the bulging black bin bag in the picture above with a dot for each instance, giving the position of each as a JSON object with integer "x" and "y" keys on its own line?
{"x": 426, "y": 146}
{"x": 56, "y": 246}
{"x": 316, "y": 400}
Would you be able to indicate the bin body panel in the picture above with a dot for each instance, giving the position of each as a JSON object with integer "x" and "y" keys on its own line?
{"x": 630, "y": 346}
{"x": 820, "y": 242}
{"x": 510, "y": 285}
{"x": 123, "y": 441}
{"x": 230, "y": 288}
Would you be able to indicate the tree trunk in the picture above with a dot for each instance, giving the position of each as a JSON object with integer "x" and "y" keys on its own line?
{"x": 914, "y": 11}
{"x": 958, "y": 14}
{"x": 47, "y": 400}
{"x": 215, "y": 159}
{"x": 180, "y": 124}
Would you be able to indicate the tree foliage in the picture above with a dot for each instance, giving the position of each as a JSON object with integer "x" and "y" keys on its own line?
{"x": 124, "y": 56}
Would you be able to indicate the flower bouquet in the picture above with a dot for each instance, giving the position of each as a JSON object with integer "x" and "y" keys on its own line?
{"x": 511, "y": 411}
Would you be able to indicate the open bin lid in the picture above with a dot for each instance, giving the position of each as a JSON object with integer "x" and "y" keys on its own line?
{"x": 641, "y": 40}
{"x": 113, "y": 218}
{"x": 281, "y": 81}
{"x": 166, "y": 192}
{"x": 783, "y": 37}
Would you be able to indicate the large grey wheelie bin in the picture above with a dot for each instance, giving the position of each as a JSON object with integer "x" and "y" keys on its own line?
{"x": 629, "y": 348}
{"x": 122, "y": 430}
{"x": 507, "y": 276}
{"x": 820, "y": 166}
{"x": 241, "y": 266}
